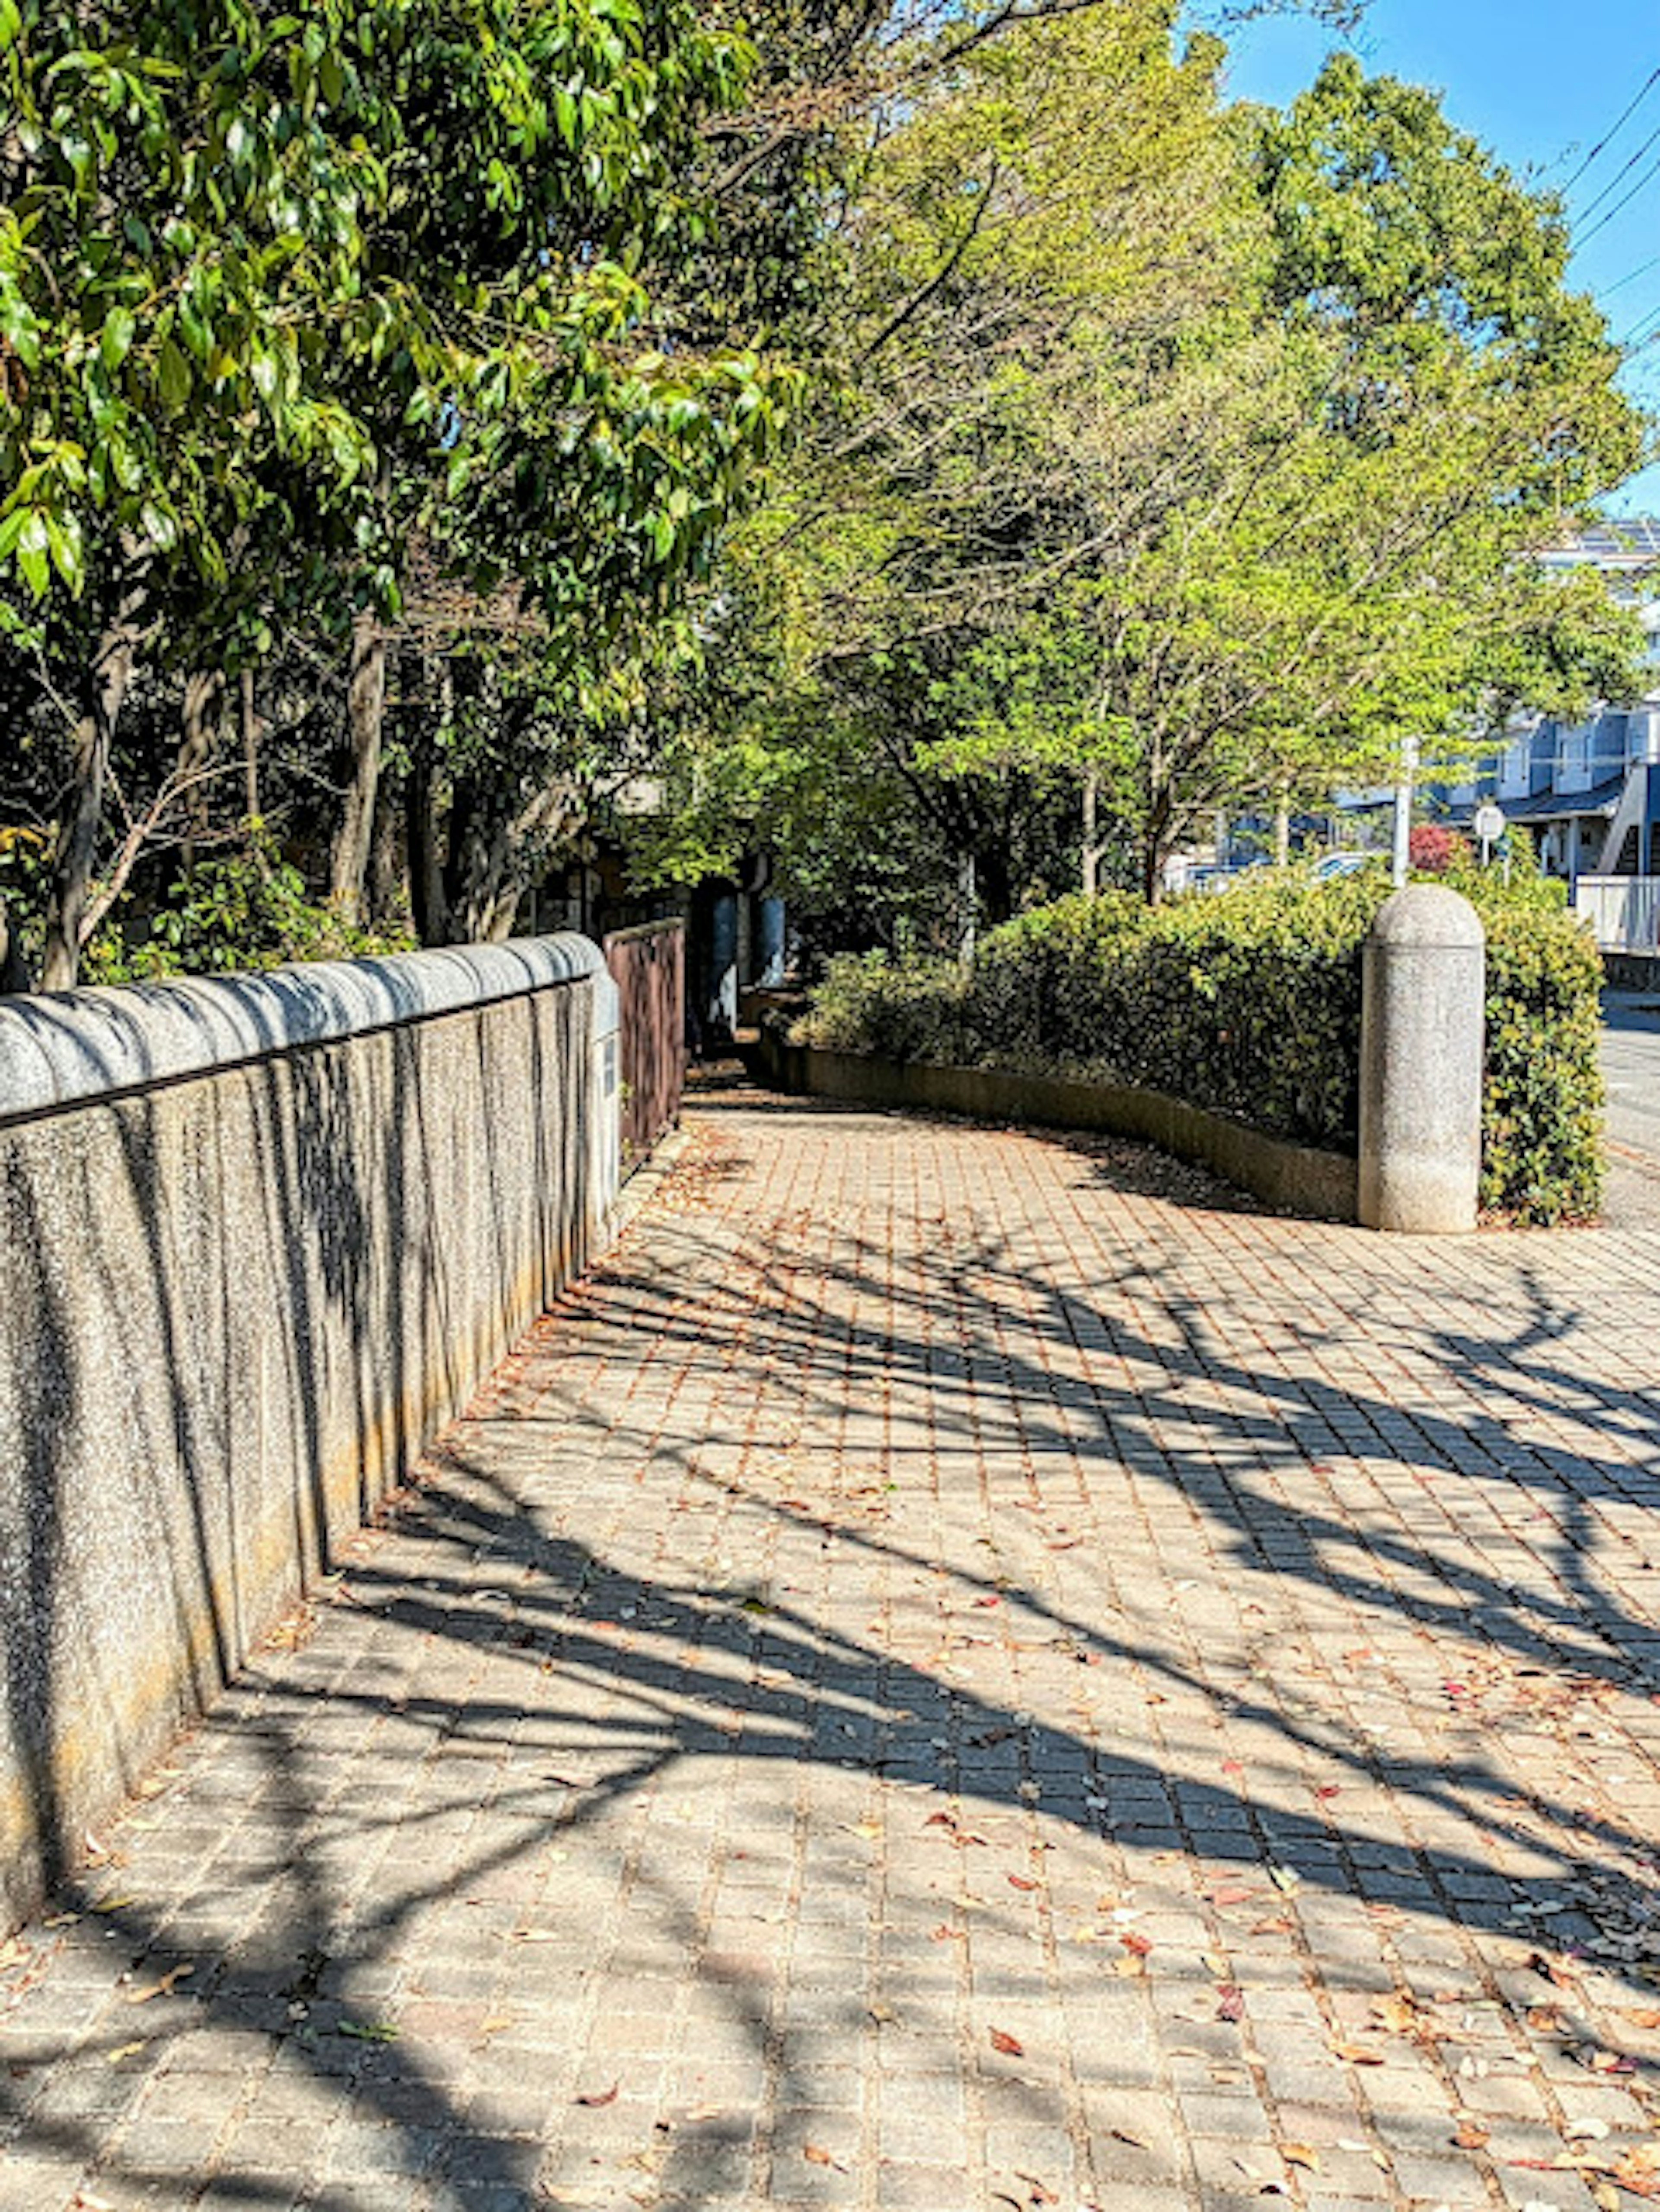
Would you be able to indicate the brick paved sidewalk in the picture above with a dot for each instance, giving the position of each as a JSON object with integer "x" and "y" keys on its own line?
{"x": 960, "y": 1671}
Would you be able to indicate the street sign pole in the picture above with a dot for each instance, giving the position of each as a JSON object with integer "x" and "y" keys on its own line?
{"x": 1489, "y": 827}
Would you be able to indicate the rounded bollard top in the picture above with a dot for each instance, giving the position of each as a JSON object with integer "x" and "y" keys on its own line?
{"x": 1429, "y": 914}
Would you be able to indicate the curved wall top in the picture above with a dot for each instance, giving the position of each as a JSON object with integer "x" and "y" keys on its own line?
{"x": 63, "y": 1048}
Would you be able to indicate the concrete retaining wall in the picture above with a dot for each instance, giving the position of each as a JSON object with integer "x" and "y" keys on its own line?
{"x": 259, "y": 1238}
{"x": 1293, "y": 1177}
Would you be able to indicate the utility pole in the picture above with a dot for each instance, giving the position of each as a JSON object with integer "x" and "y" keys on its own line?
{"x": 1403, "y": 788}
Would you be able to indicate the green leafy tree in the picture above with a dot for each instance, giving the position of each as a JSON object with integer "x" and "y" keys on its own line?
{"x": 282, "y": 296}
{"x": 1203, "y": 462}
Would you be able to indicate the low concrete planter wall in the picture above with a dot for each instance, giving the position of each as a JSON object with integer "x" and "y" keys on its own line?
{"x": 259, "y": 1238}
{"x": 1633, "y": 971}
{"x": 1294, "y": 1177}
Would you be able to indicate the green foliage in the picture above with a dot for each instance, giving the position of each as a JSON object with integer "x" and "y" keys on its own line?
{"x": 248, "y": 910}
{"x": 1248, "y": 1003}
{"x": 914, "y": 1009}
{"x": 1196, "y": 455}
{"x": 1542, "y": 1123}
{"x": 320, "y": 322}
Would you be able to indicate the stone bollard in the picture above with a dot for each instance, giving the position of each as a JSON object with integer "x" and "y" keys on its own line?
{"x": 1422, "y": 1035}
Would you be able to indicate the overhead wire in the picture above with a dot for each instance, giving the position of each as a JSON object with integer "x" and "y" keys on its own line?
{"x": 1624, "y": 201}
{"x": 1620, "y": 174}
{"x": 1610, "y": 134}
{"x": 1630, "y": 277}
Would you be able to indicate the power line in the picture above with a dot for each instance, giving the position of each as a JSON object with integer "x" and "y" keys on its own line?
{"x": 1624, "y": 201}
{"x": 1608, "y": 136}
{"x": 1623, "y": 171}
{"x": 1603, "y": 291}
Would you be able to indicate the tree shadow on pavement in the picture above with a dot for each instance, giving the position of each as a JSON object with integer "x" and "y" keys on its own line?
{"x": 391, "y": 1822}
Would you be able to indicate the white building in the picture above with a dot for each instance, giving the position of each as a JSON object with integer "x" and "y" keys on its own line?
{"x": 1590, "y": 792}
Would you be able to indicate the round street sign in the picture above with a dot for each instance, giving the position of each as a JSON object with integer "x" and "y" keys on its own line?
{"x": 1489, "y": 823}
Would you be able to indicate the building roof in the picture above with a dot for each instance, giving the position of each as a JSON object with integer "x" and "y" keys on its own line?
{"x": 1624, "y": 542}
{"x": 1599, "y": 799}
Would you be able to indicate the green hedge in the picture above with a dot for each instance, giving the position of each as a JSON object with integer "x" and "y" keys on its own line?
{"x": 1249, "y": 1003}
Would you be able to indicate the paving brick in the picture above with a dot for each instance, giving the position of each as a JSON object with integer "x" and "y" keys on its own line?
{"x": 928, "y": 1580}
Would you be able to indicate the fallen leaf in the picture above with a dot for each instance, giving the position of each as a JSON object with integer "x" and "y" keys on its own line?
{"x": 954, "y": 1827}
{"x": 816, "y": 2155}
{"x": 1592, "y": 2057}
{"x": 125, "y": 2051}
{"x": 1401, "y": 2015}
{"x": 1009, "y": 2045}
{"x": 1123, "y": 2135}
{"x": 370, "y": 2031}
{"x": 164, "y": 1987}
{"x": 1638, "y": 2172}
{"x": 1552, "y": 1969}
{"x": 1041, "y": 2193}
{"x": 1230, "y": 2002}
{"x": 1286, "y": 1878}
{"x": 1303, "y": 2154}
{"x": 1359, "y": 2054}
{"x": 1471, "y": 2135}
{"x": 1138, "y": 1944}
{"x": 594, "y": 2097}
{"x": 1021, "y": 1882}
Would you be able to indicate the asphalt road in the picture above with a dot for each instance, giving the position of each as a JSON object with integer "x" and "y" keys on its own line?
{"x": 1631, "y": 1066}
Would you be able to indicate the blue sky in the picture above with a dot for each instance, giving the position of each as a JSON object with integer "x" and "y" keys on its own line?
{"x": 1541, "y": 82}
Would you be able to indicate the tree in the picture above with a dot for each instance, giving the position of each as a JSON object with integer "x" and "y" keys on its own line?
{"x": 174, "y": 214}
{"x": 282, "y": 295}
{"x": 1204, "y": 464}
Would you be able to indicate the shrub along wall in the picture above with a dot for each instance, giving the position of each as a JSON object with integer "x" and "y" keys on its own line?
{"x": 1249, "y": 1003}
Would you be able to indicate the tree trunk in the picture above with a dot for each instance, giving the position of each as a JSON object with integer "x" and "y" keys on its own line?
{"x": 1157, "y": 841}
{"x": 429, "y": 898}
{"x": 388, "y": 880}
{"x": 366, "y": 710}
{"x": 15, "y": 974}
{"x": 1092, "y": 855}
{"x": 1282, "y": 830}
{"x": 250, "y": 718}
{"x": 967, "y": 906}
{"x": 994, "y": 883}
{"x": 84, "y": 817}
{"x": 203, "y": 691}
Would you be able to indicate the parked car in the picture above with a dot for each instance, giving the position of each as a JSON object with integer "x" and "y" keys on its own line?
{"x": 1342, "y": 863}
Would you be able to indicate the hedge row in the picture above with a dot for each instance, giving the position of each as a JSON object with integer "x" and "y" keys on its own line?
{"x": 1249, "y": 1003}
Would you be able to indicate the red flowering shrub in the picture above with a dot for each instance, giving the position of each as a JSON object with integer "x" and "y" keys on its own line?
{"x": 1433, "y": 848}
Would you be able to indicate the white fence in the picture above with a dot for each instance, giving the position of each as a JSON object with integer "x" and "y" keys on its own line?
{"x": 1624, "y": 911}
